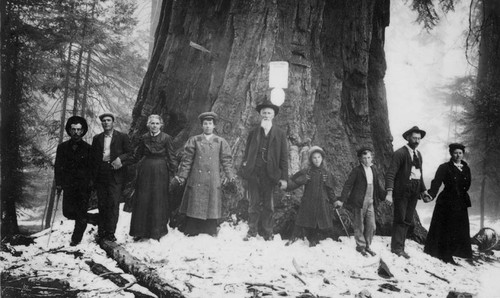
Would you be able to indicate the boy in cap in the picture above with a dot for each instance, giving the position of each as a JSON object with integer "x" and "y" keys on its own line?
{"x": 110, "y": 150}
{"x": 200, "y": 169}
{"x": 72, "y": 170}
{"x": 361, "y": 192}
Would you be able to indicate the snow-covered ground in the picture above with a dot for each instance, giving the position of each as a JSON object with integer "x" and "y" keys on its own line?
{"x": 225, "y": 266}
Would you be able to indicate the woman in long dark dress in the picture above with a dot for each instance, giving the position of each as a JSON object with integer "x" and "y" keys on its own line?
{"x": 150, "y": 211}
{"x": 449, "y": 233}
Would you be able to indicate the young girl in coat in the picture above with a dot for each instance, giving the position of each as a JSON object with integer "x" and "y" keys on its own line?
{"x": 314, "y": 212}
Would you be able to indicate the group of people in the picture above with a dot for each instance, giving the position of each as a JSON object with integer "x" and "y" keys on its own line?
{"x": 79, "y": 167}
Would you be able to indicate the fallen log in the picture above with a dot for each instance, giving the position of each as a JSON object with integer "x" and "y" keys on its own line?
{"x": 35, "y": 286}
{"x": 115, "y": 277}
{"x": 145, "y": 276}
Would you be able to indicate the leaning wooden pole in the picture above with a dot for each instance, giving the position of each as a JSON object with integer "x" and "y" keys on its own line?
{"x": 145, "y": 276}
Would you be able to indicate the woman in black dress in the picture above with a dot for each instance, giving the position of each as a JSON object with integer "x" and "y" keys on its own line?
{"x": 449, "y": 231}
{"x": 150, "y": 211}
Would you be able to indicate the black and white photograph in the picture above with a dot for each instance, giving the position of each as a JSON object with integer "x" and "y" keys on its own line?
{"x": 250, "y": 148}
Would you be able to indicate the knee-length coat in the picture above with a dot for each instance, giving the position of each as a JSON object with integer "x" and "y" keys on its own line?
{"x": 200, "y": 165}
{"x": 314, "y": 210}
{"x": 449, "y": 233}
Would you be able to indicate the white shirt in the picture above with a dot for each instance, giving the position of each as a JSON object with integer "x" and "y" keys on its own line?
{"x": 106, "y": 155}
{"x": 208, "y": 137}
{"x": 369, "y": 174}
{"x": 415, "y": 173}
{"x": 154, "y": 134}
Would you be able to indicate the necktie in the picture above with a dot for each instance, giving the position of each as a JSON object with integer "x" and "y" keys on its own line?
{"x": 416, "y": 161}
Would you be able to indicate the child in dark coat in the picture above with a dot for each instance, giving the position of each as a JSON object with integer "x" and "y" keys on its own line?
{"x": 361, "y": 192}
{"x": 314, "y": 213}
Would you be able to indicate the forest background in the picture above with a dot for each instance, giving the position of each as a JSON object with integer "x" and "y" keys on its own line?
{"x": 63, "y": 58}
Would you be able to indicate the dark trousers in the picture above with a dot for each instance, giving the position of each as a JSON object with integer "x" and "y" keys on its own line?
{"x": 196, "y": 226}
{"x": 315, "y": 235}
{"x": 404, "y": 207}
{"x": 261, "y": 208}
{"x": 75, "y": 206}
{"x": 108, "y": 200}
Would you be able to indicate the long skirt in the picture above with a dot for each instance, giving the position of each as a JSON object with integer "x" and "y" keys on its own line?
{"x": 150, "y": 208}
{"x": 449, "y": 233}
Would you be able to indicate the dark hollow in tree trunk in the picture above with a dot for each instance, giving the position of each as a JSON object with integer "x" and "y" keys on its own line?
{"x": 336, "y": 95}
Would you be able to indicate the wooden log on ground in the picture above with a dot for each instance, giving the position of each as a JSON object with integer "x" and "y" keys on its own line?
{"x": 115, "y": 277}
{"x": 34, "y": 286}
{"x": 145, "y": 276}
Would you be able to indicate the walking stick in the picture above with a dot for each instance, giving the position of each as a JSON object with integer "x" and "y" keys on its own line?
{"x": 342, "y": 222}
{"x": 53, "y": 217}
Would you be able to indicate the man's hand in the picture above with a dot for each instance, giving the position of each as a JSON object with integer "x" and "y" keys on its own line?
{"x": 282, "y": 184}
{"x": 59, "y": 189}
{"x": 388, "y": 197}
{"x": 338, "y": 204}
{"x": 116, "y": 164}
{"x": 426, "y": 197}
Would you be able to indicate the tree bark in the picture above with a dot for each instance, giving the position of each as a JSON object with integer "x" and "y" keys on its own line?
{"x": 145, "y": 276}
{"x": 11, "y": 91}
{"x": 336, "y": 95}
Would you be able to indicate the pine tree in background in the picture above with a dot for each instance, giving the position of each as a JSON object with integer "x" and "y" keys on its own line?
{"x": 58, "y": 56}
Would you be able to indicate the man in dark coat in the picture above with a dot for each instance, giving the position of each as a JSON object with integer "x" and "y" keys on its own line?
{"x": 265, "y": 165}
{"x": 361, "y": 192}
{"x": 73, "y": 175}
{"x": 404, "y": 183}
{"x": 110, "y": 150}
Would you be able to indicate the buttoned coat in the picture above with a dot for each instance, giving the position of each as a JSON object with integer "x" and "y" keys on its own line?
{"x": 354, "y": 190}
{"x": 277, "y": 156}
{"x": 72, "y": 171}
{"x": 314, "y": 209}
{"x": 200, "y": 165}
{"x": 398, "y": 174}
{"x": 119, "y": 147}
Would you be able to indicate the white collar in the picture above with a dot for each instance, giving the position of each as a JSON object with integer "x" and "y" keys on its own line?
{"x": 411, "y": 150}
{"x": 155, "y": 134}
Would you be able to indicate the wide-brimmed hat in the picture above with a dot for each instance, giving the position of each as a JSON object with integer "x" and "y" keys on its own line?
{"x": 76, "y": 120}
{"x": 412, "y": 130}
{"x": 360, "y": 151}
{"x": 107, "y": 115}
{"x": 453, "y": 146}
{"x": 208, "y": 116}
{"x": 265, "y": 103}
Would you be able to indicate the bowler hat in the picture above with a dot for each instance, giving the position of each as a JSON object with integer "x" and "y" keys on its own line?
{"x": 363, "y": 149}
{"x": 76, "y": 120}
{"x": 412, "y": 130}
{"x": 208, "y": 116}
{"x": 267, "y": 104}
{"x": 107, "y": 115}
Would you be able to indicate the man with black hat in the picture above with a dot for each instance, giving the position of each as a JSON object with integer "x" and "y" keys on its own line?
{"x": 405, "y": 184}
{"x": 110, "y": 150}
{"x": 72, "y": 171}
{"x": 361, "y": 192}
{"x": 200, "y": 166}
{"x": 265, "y": 165}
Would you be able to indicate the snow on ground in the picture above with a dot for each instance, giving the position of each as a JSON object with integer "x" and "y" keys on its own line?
{"x": 225, "y": 265}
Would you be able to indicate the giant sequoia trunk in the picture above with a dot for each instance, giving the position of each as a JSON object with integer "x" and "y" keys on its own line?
{"x": 336, "y": 95}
